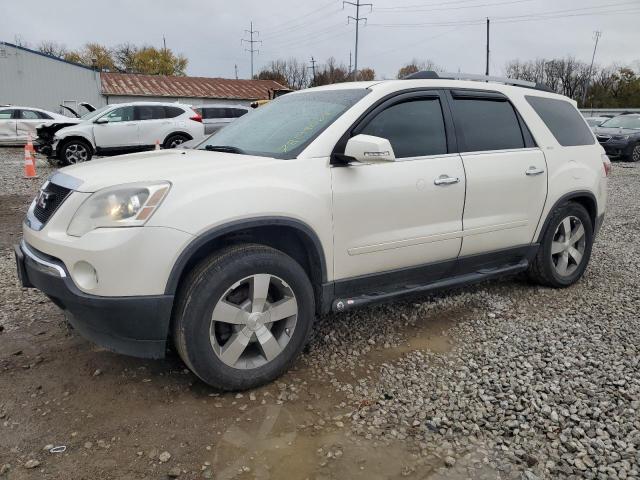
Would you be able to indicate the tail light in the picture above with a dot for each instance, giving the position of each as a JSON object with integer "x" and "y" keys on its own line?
{"x": 196, "y": 118}
{"x": 606, "y": 163}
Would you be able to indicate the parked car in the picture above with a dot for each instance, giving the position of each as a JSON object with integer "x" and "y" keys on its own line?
{"x": 120, "y": 128}
{"x": 620, "y": 137}
{"x": 214, "y": 117}
{"x": 595, "y": 121}
{"x": 325, "y": 199}
{"x": 17, "y": 123}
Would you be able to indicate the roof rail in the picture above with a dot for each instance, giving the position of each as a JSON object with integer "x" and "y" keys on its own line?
{"x": 431, "y": 75}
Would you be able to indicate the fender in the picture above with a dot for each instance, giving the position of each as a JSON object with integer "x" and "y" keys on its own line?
{"x": 238, "y": 225}
{"x": 593, "y": 212}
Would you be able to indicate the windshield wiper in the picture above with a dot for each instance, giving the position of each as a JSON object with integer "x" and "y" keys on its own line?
{"x": 223, "y": 148}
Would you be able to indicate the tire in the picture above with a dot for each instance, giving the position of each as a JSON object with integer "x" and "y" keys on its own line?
{"x": 174, "y": 140}
{"x": 75, "y": 151}
{"x": 635, "y": 153}
{"x": 222, "y": 287}
{"x": 549, "y": 268}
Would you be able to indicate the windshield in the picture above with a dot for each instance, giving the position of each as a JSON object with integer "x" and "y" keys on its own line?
{"x": 285, "y": 126}
{"x": 623, "y": 121}
{"x": 95, "y": 113}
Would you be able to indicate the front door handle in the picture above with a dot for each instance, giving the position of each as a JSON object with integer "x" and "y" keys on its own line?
{"x": 446, "y": 180}
{"x": 534, "y": 171}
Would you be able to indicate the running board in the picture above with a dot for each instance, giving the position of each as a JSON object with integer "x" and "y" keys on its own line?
{"x": 343, "y": 304}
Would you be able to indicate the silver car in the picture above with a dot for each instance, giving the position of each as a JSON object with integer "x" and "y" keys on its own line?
{"x": 215, "y": 117}
{"x": 16, "y": 123}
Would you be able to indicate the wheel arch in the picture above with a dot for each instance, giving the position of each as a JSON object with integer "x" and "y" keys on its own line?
{"x": 65, "y": 140}
{"x": 178, "y": 132}
{"x": 291, "y": 236}
{"x": 583, "y": 197}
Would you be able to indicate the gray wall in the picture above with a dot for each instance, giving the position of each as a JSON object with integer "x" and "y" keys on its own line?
{"x": 186, "y": 100}
{"x": 33, "y": 80}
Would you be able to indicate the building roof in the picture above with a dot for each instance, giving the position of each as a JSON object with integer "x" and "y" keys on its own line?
{"x": 46, "y": 55}
{"x": 193, "y": 87}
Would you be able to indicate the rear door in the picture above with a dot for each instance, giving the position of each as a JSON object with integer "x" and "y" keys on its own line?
{"x": 506, "y": 173}
{"x": 8, "y": 133}
{"x": 119, "y": 131}
{"x": 153, "y": 123}
{"x": 27, "y": 121}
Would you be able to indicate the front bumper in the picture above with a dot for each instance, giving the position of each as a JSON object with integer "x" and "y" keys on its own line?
{"x": 617, "y": 149}
{"x": 136, "y": 326}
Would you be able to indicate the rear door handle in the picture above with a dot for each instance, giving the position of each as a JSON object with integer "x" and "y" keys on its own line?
{"x": 446, "y": 180}
{"x": 534, "y": 171}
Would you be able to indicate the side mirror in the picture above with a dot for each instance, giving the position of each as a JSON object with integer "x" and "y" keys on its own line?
{"x": 369, "y": 149}
{"x": 101, "y": 121}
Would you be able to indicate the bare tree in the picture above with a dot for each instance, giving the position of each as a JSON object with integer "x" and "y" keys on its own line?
{"x": 416, "y": 65}
{"x": 54, "y": 49}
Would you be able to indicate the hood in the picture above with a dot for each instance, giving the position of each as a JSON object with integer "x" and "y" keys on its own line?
{"x": 616, "y": 131}
{"x": 176, "y": 166}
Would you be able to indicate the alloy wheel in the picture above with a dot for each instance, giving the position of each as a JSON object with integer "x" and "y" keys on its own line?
{"x": 635, "y": 155}
{"x": 253, "y": 321}
{"x": 176, "y": 141}
{"x": 76, "y": 153}
{"x": 568, "y": 246}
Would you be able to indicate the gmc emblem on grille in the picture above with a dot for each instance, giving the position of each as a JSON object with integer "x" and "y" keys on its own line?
{"x": 43, "y": 198}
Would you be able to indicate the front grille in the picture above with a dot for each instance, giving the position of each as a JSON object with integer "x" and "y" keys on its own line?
{"x": 603, "y": 138}
{"x": 48, "y": 201}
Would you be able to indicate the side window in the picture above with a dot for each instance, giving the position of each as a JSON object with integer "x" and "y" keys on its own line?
{"x": 172, "y": 112}
{"x": 143, "y": 112}
{"x": 414, "y": 128}
{"x": 158, "y": 112}
{"x": 564, "y": 121}
{"x": 486, "y": 125}
{"x": 213, "y": 112}
{"x": 44, "y": 116}
{"x": 237, "y": 112}
{"x": 29, "y": 115}
{"x": 122, "y": 114}
{"x": 6, "y": 114}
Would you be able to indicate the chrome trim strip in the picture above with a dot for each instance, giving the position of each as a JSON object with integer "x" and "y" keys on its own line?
{"x": 27, "y": 251}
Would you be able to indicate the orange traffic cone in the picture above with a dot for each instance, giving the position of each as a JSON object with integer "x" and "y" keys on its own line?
{"x": 29, "y": 160}
{"x": 157, "y": 144}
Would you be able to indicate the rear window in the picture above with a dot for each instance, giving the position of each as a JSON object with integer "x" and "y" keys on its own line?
{"x": 214, "y": 112}
{"x": 486, "y": 125}
{"x": 563, "y": 120}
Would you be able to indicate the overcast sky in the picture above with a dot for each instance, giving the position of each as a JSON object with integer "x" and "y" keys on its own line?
{"x": 450, "y": 33}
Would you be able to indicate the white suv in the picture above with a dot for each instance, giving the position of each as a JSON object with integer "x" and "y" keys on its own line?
{"x": 324, "y": 199}
{"x": 126, "y": 127}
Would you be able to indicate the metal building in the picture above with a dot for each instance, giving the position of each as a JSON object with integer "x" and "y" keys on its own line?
{"x": 33, "y": 79}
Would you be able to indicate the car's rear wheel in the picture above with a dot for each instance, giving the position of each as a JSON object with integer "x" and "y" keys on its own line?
{"x": 243, "y": 316}
{"x": 173, "y": 141}
{"x": 565, "y": 249}
{"x": 75, "y": 151}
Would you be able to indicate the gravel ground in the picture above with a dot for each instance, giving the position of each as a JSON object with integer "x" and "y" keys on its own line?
{"x": 501, "y": 380}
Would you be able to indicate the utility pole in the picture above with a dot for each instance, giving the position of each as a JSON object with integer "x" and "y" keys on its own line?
{"x": 164, "y": 44}
{"x": 349, "y": 62}
{"x": 596, "y": 36}
{"x": 487, "y": 69}
{"x": 251, "y": 43}
{"x": 313, "y": 68}
{"x": 235, "y": 67}
{"x": 357, "y": 19}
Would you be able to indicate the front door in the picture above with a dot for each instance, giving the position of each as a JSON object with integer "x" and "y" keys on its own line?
{"x": 8, "y": 125}
{"x": 506, "y": 174}
{"x": 119, "y": 131}
{"x": 405, "y": 213}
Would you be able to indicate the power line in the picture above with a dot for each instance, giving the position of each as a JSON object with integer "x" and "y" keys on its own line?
{"x": 357, "y": 19}
{"x": 251, "y": 43}
{"x": 596, "y": 36}
{"x": 422, "y": 9}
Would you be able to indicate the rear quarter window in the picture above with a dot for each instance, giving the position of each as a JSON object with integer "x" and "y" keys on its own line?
{"x": 563, "y": 120}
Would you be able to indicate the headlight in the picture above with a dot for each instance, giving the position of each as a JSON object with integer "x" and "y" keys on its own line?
{"x": 129, "y": 205}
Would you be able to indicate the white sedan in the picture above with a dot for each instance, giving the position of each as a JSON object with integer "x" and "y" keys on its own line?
{"x": 16, "y": 123}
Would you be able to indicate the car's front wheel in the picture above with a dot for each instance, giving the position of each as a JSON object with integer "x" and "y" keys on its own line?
{"x": 635, "y": 153}
{"x": 243, "y": 316}
{"x": 75, "y": 151}
{"x": 565, "y": 248}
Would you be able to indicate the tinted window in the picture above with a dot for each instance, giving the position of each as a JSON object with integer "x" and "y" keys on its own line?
{"x": 29, "y": 115}
{"x": 172, "y": 112}
{"x": 150, "y": 112}
{"x": 214, "y": 112}
{"x": 6, "y": 114}
{"x": 486, "y": 125}
{"x": 414, "y": 128}
{"x": 236, "y": 112}
{"x": 122, "y": 114}
{"x": 564, "y": 121}
{"x": 44, "y": 116}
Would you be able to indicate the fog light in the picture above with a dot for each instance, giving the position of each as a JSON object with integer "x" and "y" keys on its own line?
{"x": 85, "y": 275}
